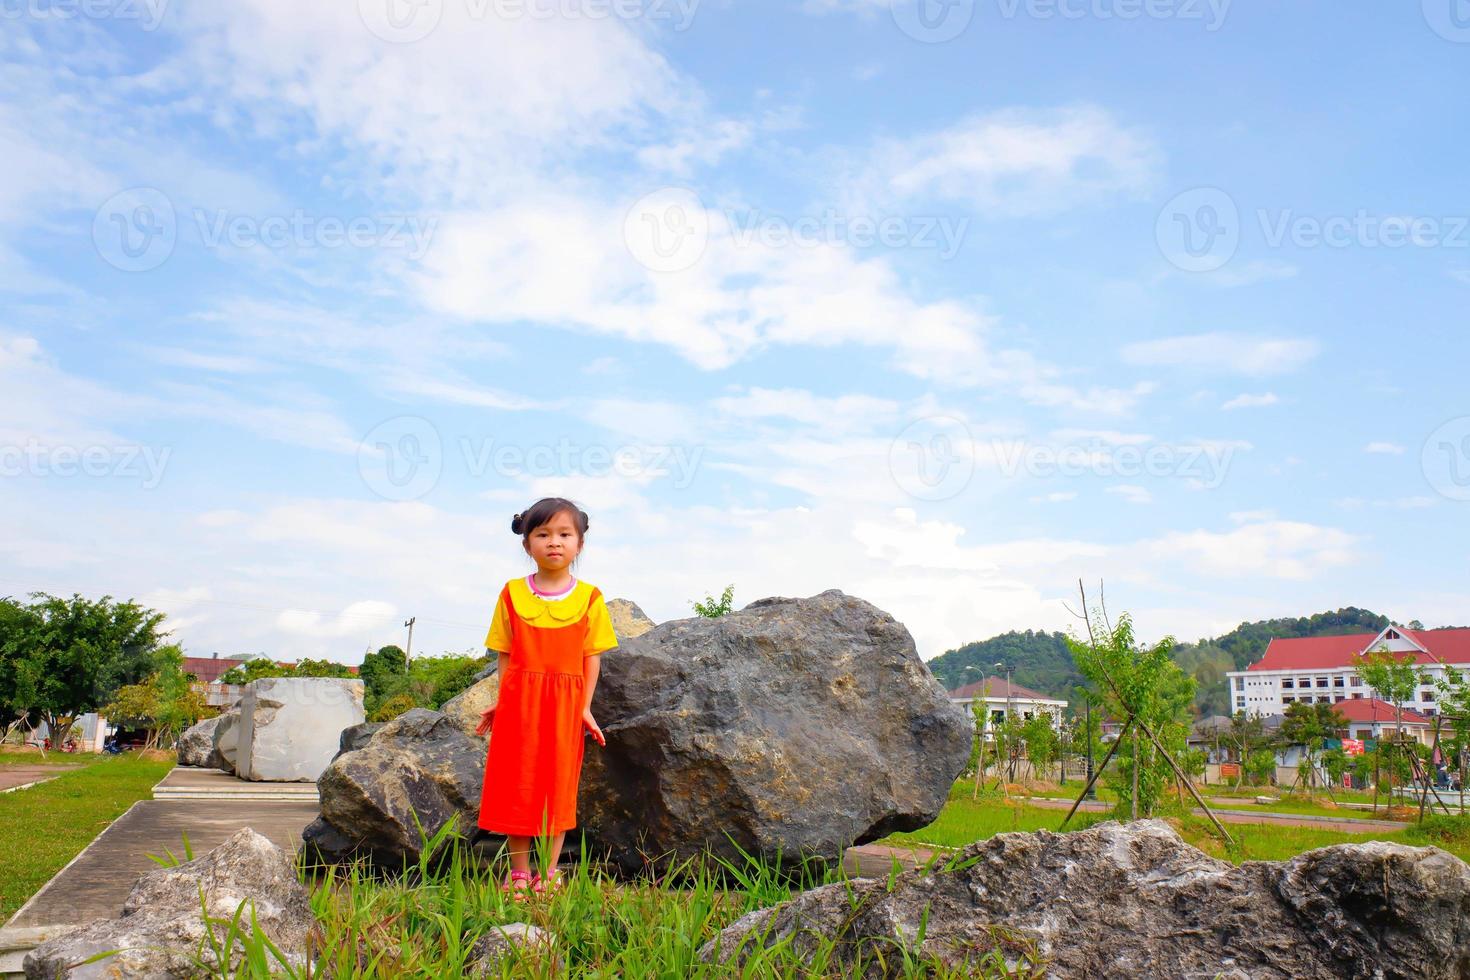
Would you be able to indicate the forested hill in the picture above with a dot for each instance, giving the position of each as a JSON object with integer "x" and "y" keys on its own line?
{"x": 1041, "y": 661}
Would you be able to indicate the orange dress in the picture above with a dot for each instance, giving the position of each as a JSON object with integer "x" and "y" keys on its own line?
{"x": 536, "y": 738}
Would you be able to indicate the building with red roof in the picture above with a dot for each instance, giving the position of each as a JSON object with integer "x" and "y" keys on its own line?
{"x": 1002, "y": 697}
{"x": 1320, "y": 670}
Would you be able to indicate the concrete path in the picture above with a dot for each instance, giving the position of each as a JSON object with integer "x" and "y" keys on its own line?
{"x": 19, "y": 777}
{"x": 97, "y": 880}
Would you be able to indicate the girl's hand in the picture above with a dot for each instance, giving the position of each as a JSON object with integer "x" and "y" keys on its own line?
{"x": 590, "y": 723}
{"x": 486, "y": 718}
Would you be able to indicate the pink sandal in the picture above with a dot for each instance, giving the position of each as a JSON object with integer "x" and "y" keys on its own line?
{"x": 518, "y": 884}
{"x": 552, "y": 882}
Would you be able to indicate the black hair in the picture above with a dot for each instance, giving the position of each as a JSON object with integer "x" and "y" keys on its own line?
{"x": 542, "y": 511}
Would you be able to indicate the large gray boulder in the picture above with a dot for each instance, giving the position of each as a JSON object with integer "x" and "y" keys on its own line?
{"x": 355, "y": 737}
{"x": 1137, "y": 901}
{"x": 290, "y": 727}
{"x": 226, "y": 740}
{"x": 417, "y": 766}
{"x": 796, "y": 727}
{"x": 196, "y": 745}
{"x": 161, "y": 930}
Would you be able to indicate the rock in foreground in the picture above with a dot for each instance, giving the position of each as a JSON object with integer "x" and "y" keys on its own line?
{"x": 1137, "y": 901}
{"x": 418, "y": 763}
{"x": 795, "y": 726}
{"x": 161, "y": 928}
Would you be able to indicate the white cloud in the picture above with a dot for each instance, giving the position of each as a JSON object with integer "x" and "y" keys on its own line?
{"x": 1269, "y": 549}
{"x": 1387, "y": 448}
{"x": 1017, "y": 162}
{"x": 1223, "y": 352}
{"x": 1132, "y": 493}
{"x": 1263, "y": 400}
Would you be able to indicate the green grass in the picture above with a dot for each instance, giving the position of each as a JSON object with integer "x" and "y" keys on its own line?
{"x": 963, "y": 822}
{"x": 425, "y": 924}
{"x": 44, "y": 827}
{"x": 10, "y": 758}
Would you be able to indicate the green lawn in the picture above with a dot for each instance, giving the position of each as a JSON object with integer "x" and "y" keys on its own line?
{"x": 9, "y": 758}
{"x": 44, "y": 827}
{"x": 963, "y": 822}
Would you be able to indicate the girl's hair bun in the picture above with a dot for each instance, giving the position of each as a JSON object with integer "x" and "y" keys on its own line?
{"x": 516, "y": 524}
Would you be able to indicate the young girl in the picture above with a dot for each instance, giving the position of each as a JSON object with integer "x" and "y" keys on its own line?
{"x": 550, "y": 631}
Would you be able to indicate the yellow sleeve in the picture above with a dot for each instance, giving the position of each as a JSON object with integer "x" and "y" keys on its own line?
{"x": 600, "y": 638}
{"x": 498, "y": 639}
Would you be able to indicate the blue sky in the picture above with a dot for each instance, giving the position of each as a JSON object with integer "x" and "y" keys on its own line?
{"x": 944, "y": 307}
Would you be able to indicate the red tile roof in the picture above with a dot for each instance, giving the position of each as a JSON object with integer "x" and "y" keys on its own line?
{"x": 1451, "y": 646}
{"x": 998, "y": 690}
{"x": 208, "y": 669}
{"x": 1361, "y": 710}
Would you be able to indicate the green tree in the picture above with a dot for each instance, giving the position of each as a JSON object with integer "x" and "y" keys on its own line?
{"x": 1335, "y": 762}
{"x": 384, "y": 673}
{"x": 1394, "y": 678}
{"x": 321, "y": 668}
{"x": 255, "y": 669}
{"x": 65, "y": 657}
{"x": 1042, "y": 743}
{"x": 1454, "y": 707}
{"x": 1260, "y": 766}
{"x": 712, "y": 608}
{"x": 1247, "y": 734}
{"x": 1307, "y": 726}
{"x": 1132, "y": 680}
{"x": 164, "y": 703}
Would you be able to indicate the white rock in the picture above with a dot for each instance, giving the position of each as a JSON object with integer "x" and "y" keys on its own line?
{"x": 290, "y": 727}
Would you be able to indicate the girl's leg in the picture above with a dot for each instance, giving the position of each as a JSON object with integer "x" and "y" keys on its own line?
{"x": 520, "y": 852}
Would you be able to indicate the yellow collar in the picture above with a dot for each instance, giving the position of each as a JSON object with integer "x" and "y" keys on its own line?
{"x": 538, "y": 611}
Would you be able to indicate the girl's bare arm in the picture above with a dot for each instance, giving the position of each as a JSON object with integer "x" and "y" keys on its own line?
{"x": 590, "y": 667}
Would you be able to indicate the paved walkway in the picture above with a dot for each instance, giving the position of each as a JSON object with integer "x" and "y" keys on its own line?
{"x": 97, "y": 880}
{"x": 14, "y": 777}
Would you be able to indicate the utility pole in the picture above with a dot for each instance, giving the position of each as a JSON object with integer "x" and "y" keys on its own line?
{"x": 408, "y": 653}
{"x": 1089, "y": 794}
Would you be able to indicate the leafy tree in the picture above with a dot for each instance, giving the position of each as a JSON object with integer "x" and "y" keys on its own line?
{"x": 383, "y": 673}
{"x": 1247, "y": 734}
{"x": 1394, "y": 678}
{"x": 1307, "y": 725}
{"x": 1142, "y": 682}
{"x": 321, "y": 668}
{"x": 1041, "y": 741}
{"x": 1260, "y": 766}
{"x": 1336, "y": 763}
{"x": 1454, "y": 706}
{"x": 164, "y": 703}
{"x": 252, "y": 670}
{"x": 712, "y": 608}
{"x": 393, "y": 707}
{"x": 61, "y": 658}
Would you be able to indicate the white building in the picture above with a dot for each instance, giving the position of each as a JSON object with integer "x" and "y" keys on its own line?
{"x": 1319, "y": 669}
{"x": 1001, "y": 697}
